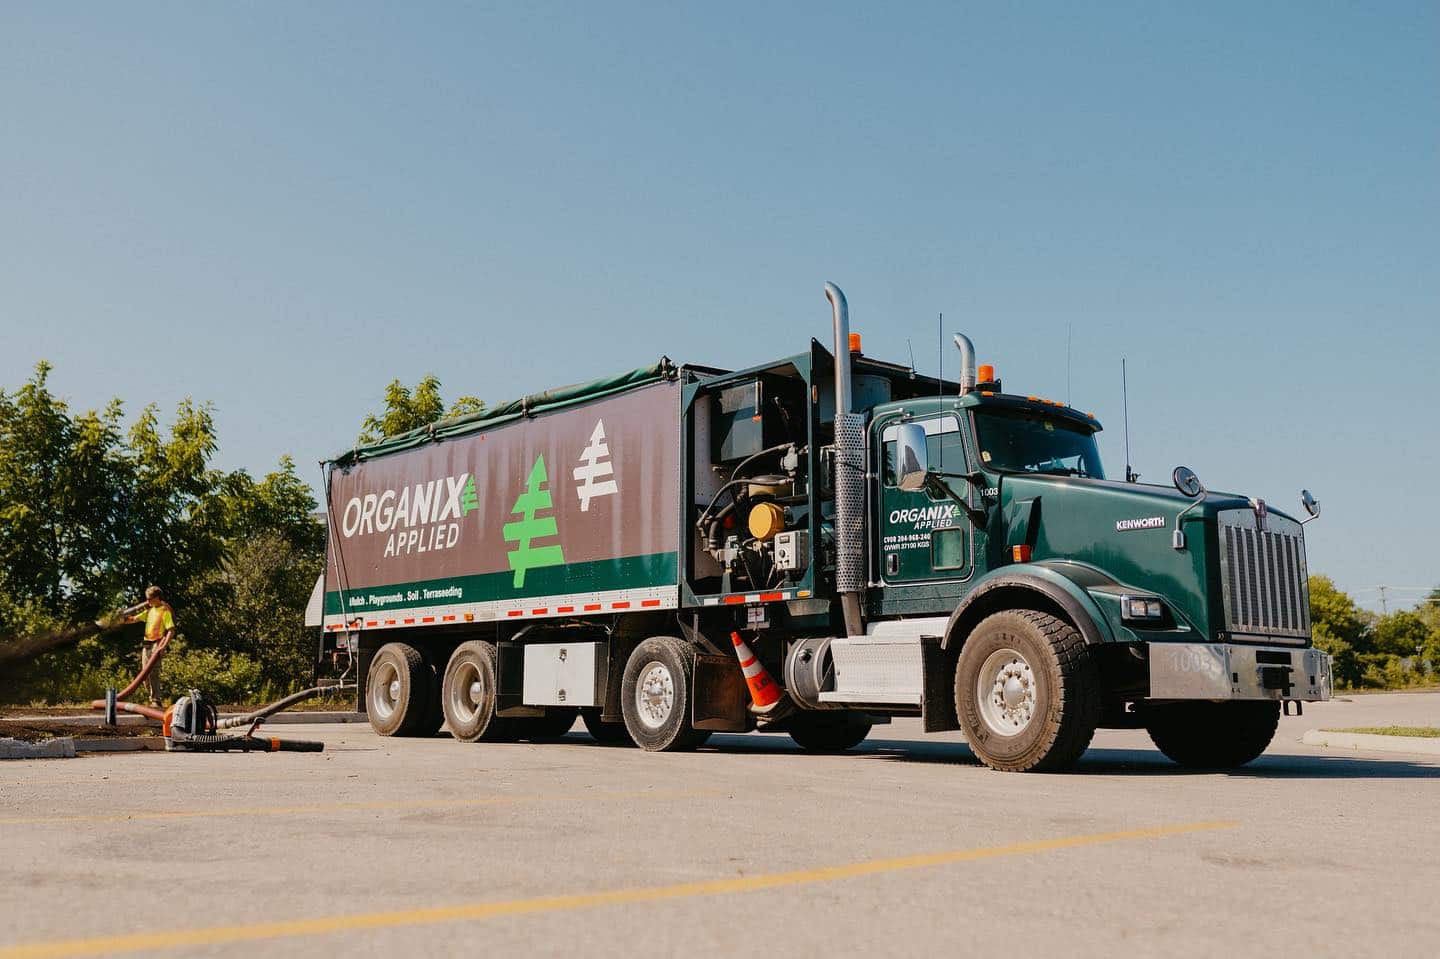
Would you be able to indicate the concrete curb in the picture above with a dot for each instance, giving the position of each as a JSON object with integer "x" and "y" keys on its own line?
{"x": 1366, "y": 741}
{"x": 61, "y": 747}
{"x": 95, "y": 720}
{"x": 136, "y": 744}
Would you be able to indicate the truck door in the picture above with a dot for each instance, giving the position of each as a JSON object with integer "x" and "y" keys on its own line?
{"x": 924, "y": 537}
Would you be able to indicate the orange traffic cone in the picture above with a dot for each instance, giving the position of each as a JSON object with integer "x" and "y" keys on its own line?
{"x": 763, "y": 690}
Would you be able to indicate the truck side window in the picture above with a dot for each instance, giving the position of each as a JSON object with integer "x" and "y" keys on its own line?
{"x": 947, "y": 548}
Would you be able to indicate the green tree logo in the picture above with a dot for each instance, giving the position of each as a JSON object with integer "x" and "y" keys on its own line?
{"x": 532, "y": 527}
{"x": 468, "y": 501}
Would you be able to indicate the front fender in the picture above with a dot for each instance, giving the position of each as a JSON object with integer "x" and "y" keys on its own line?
{"x": 1006, "y": 588}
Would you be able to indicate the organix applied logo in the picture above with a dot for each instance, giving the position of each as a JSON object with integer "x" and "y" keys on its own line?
{"x": 416, "y": 519}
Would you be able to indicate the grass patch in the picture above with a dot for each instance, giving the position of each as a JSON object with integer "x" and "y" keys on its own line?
{"x": 1417, "y": 732}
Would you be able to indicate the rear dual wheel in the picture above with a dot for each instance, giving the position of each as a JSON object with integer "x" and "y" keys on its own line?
{"x": 655, "y": 696}
{"x": 400, "y": 692}
{"x": 467, "y": 695}
{"x": 606, "y": 734}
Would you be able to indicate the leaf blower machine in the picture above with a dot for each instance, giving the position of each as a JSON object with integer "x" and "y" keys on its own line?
{"x": 192, "y": 725}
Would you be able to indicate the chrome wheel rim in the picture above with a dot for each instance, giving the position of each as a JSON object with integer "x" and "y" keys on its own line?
{"x": 1005, "y": 692}
{"x": 654, "y": 695}
{"x": 467, "y": 693}
{"x": 385, "y": 691}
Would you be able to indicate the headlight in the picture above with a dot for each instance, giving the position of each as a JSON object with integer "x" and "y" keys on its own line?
{"x": 1141, "y": 607}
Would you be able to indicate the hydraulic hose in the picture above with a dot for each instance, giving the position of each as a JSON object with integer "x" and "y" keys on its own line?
{"x": 231, "y": 722}
{"x": 149, "y": 712}
{"x": 150, "y": 665}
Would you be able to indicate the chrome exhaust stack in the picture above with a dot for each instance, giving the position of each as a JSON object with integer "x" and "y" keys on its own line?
{"x": 967, "y": 362}
{"x": 849, "y": 474}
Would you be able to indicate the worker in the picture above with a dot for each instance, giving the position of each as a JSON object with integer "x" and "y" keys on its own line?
{"x": 159, "y": 622}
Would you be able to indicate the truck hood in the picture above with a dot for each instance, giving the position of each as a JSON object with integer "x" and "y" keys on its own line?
{"x": 1124, "y": 529}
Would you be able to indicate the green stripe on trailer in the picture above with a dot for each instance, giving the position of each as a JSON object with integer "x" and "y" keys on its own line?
{"x": 623, "y": 573}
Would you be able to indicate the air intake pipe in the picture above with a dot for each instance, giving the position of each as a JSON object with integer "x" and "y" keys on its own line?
{"x": 967, "y": 362}
{"x": 849, "y": 475}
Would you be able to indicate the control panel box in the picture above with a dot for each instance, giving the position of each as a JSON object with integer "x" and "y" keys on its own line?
{"x": 792, "y": 550}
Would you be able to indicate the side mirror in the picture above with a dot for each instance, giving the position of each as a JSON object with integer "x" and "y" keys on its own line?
{"x": 912, "y": 457}
{"x": 1187, "y": 482}
{"x": 1311, "y": 504}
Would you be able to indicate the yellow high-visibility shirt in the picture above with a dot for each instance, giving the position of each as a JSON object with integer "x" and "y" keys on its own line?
{"x": 159, "y": 620}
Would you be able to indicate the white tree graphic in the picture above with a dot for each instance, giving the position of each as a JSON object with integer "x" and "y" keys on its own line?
{"x": 595, "y": 472}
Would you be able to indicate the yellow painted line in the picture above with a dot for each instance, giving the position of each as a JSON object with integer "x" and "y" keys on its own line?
{"x": 326, "y": 925}
{"x": 242, "y": 812}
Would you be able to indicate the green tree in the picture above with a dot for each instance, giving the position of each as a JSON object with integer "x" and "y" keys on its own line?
{"x": 1338, "y": 627}
{"x": 1402, "y": 633}
{"x": 253, "y": 601}
{"x": 407, "y": 409}
{"x": 63, "y": 481}
{"x": 1429, "y": 611}
{"x": 90, "y": 513}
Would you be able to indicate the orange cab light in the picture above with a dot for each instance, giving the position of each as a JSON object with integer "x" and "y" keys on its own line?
{"x": 986, "y": 374}
{"x": 1021, "y": 554}
{"x": 854, "y": 342}
{"x": 987, "y": 392}
{"x": 1033, "y": 399}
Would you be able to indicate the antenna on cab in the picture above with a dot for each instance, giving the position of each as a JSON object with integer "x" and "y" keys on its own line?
{"x": 1130, "y": 475}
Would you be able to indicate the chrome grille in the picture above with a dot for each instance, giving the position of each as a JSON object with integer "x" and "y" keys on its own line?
{"x": 1263, "y": 576}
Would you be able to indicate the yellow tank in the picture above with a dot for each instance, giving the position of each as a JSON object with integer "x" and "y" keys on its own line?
{"x": 766, "y": 519}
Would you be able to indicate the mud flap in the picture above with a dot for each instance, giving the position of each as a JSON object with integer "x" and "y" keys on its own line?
{"x": 937, "y": 700}
{"x": 720, "y": 701}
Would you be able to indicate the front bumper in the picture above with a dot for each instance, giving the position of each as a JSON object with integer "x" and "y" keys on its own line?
{"x": 1223, "y": 671}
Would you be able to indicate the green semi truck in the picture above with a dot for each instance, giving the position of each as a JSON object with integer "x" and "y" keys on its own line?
{"x": 883, "y": 543}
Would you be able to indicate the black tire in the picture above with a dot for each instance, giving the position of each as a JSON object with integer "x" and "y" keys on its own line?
{"x": 1205, "y": 735}
{"x": 549, "y": 728}
{"x": 398, "y": 691}
{"x": 829, "y": 732}
{"x": 1042, "y": 692}
{"x": 662, "y": 668}
{"x": 606, "y": 734}
{"x": 467, "y": 694}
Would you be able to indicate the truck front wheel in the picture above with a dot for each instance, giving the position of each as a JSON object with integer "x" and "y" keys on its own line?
{"x": 398, "y": 691}
{"x": 1203, "y": 735}
{"x": 655, "y": 696}
{"x": 468, "y": 695}
{"x": 1027, "y": 692}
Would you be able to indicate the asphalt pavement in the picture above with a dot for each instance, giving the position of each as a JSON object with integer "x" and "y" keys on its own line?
{"x": 905, "y": 846}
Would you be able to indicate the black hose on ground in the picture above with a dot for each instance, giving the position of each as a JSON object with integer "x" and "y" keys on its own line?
{"x": 230, "y": 722}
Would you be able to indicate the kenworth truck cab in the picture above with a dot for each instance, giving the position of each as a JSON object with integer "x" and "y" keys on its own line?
{"x": 868, "y": 541}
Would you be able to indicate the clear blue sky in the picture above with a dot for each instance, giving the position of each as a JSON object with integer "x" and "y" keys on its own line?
{"x": 281, "y": 207}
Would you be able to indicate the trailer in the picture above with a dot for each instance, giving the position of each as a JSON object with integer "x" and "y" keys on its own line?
{"x": 870, "y": 540}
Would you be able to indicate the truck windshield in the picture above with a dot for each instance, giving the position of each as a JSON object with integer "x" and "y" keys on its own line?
{"x": 1017, "y": 441}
